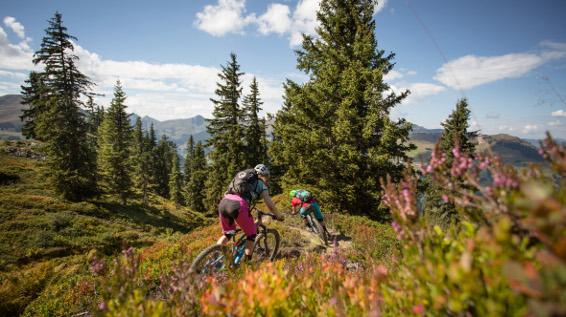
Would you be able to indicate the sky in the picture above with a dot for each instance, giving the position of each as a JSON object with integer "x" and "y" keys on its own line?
{"x": 507, "y": 57}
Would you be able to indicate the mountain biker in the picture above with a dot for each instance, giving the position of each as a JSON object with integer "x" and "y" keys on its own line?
{"x": 246, "y": 187}
{"x": 307, "y": 203}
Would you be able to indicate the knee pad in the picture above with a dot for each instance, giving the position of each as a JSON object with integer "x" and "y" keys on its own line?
{"x": 251, "y": 238}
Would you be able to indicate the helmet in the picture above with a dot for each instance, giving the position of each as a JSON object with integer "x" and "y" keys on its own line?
{"x": 262, "y": 170}
{"x": 293, "y": 193}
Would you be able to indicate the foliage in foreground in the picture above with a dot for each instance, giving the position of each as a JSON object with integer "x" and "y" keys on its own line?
{"x": 505, "y": 257}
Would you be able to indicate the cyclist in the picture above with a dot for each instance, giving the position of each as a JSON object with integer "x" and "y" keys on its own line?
{"x": 307, "y": 203}
{"x": 246, "y": 187}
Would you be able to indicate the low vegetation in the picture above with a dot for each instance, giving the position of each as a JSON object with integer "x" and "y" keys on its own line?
{"x": 46, "y": 238}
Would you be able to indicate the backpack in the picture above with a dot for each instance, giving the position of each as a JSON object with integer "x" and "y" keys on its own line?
{"x": 304, "y": 195}
{"x": 244, "y": 184}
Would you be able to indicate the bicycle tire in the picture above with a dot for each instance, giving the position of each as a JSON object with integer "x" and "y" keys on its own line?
{"x": 199, "y": 264}
{"x": 320, "y": 231}
{"x": 265, "y": 251}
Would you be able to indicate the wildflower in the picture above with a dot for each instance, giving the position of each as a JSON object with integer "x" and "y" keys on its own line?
{"x": 418, "y": 309}
{"x": 96, "y": 266}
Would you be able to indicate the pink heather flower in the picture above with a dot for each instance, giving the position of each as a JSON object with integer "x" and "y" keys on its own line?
{"x": 418, "y": 309}
{"x": 445, "y": 198}
{"x": 102, "y": 305}
{"x": 456, "y": 152}
{"x": 96, "y": 266}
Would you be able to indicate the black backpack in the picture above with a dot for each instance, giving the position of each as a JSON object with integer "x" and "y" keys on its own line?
{"x": 244, "y": 184}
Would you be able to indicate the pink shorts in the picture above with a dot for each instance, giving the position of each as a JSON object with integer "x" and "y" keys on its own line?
{"x": 239, "y": 209}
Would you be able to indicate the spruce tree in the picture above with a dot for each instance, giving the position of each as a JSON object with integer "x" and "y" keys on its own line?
{"x": 195, "y": 185}
{"x": 455, "y": 134}
{"x": 114, "y": 145}
{"x": 254, "y": 136}
{"x": 226, "y": 135}
{"x": 141, "y": 160}
{"x": 334, "y": 132}
{"x": 36, "y": 96}
{"x": 162, "y": 158}
{"x": 70, "y": 163}
{"x": 175, "y": 180}
{"x": 456, "y": 131}
{"x": 189, "y": 158}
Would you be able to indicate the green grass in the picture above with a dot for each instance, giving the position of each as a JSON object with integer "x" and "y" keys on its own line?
{"x": 41, "y": 234}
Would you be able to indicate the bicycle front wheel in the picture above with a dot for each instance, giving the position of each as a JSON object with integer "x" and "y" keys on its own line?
{"x": 210, "y": 260}
{"x": 267, "y": 245}
{"x": 320, "y": 231}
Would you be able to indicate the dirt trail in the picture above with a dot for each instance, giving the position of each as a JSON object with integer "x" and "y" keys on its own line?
{"x": 298, "y": 240}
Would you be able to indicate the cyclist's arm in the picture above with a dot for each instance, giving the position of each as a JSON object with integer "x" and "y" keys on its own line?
{"x": 293, "y": 209}
{"x": 270, "y": 205}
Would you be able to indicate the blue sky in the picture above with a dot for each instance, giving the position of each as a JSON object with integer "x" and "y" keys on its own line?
{"x": 507, "y": 57}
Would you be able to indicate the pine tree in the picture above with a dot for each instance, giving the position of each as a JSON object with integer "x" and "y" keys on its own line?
{"x": 162, "y": 158}
{"x": 195, "y": 185}
{"x": 456, "y": 131}
{"x": 334, "y": 132}
{"x": 254, "y": 136}
{"x": 455, "y": 134}
{"x": 226, "y": 135}
{"x": 141, "y": 159}
{"x": 189, "y": 158}
{"x": 63, "y": 126}
{"x": 36, "y": 96}
{"x": 114, "y": 146}
{"x": 175, "y": 180}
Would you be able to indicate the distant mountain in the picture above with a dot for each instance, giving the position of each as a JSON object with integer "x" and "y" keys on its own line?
{"x": 178, "y": 130}
{"x": 511, "y": 149}
{"x": 10, "y": 111}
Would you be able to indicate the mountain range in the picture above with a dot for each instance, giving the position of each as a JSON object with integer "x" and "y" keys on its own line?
{"x": 512, "y": 149}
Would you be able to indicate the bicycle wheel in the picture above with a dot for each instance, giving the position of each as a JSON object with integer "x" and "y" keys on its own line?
{"x": 210, "y": 260}
{"x": 267, "y": 245}
{"x": 320, "y": 230}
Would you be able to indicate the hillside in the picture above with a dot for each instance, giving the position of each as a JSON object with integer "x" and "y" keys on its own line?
{"x": 45, "y": 238}
{"x": 511, "y": 149}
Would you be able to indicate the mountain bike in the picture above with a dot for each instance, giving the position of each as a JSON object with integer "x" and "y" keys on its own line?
{"x": 218, "y": 257}
{"x": 317, "y": 228}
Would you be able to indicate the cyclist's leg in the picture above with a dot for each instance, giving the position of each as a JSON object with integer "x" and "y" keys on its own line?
{"x": 246, "y": 222}
{"x": 304, "y": 211}
{"x": 227, "y": 209}
{"x": 318, "y": 214}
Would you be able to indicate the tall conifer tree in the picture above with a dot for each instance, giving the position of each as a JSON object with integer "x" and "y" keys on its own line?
{"x": 162, "y": 158}
{"x": 141, "y": 159}
{"x": 254, "y": 136}
{"x": 195, "y": 185}
{"x": 175, "y": 180}
{"x": 189, "y": 158}
{"x": 456, "y": 130}
{"x": 70, "y": 163}
{"x": 36, "y": 96}
{"x": 334, "y": 132}
{"x": 114, "y": 145}
{"x": 226, "y": 135}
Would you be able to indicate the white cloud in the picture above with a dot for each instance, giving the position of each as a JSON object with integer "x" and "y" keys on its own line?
{"x": 506, "y": 128}
{"x": 470, "y": 71}
{"x": 555, "y": 123}
{"x": 379, "y": 6}
{"x": 530, "y": 128}
{"x": 14, "y": 56}
{"x": 559, "y": 113}
{"x": 475, "y": 125}
{"x": 225, "y": 17}
{"x": 13, "y": 75}
{"x": 275, "y": 20}
{"x": 16, "y": 27}
{"x": 163, "y": 91}
{"x": 419, "y": 91}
